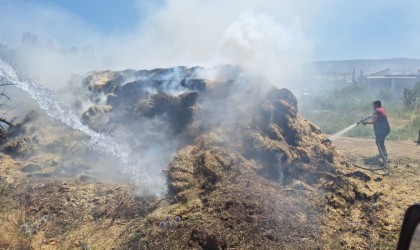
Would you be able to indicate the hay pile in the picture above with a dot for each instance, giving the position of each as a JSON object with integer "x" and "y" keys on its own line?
{"x": 248, "y": 173}
{"x": 258, "y": 177}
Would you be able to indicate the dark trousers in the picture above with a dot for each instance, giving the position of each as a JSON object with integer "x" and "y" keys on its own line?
{"x": 380, "y": 142}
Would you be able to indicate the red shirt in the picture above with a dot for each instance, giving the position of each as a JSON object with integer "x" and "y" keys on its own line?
{"x": 380, "y": 112}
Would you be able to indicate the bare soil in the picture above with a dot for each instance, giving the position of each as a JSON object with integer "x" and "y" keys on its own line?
{"x": 399, "y": 189}
{"x": 366, "y": 147}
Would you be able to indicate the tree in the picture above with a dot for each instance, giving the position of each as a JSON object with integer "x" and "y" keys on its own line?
{"x": 411, "y": 97}
{"x": 4, "y": 108}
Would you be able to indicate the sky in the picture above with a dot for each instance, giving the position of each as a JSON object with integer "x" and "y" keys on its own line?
{"x": 270, "y": 36}
{"x": 337, "y": 29}
{"x": 103, "y": 15}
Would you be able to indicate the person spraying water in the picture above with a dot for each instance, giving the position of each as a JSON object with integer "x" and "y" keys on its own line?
{"x": 379, "y": 119}
{"x": 381, "y": 128}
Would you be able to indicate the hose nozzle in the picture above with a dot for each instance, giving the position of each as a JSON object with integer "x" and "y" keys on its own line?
{"x": 364, "y": 119}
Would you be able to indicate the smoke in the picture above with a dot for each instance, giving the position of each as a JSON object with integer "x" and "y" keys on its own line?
{"x": 173, "y": 33}
{"x": 51, "y": 45}
{"x": 263, "y": 46}
{"x": 187, "y": 32}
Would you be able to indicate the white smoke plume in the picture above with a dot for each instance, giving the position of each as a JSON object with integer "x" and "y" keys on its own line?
{"x": 49, "y": 44}
{"x": 265, "y": 36}
{"x": 260, "y": 44}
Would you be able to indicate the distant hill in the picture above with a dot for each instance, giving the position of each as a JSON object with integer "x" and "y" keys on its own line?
{"x": 369, "y": 66}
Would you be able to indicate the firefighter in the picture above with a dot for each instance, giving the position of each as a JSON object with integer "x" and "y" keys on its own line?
{"x": 381, "y": 127}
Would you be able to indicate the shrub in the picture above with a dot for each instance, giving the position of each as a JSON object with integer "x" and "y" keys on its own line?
{"x": 411, "y": 97}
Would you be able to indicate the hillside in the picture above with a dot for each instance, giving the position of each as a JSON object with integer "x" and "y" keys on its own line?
{"x": 369, "y": 66}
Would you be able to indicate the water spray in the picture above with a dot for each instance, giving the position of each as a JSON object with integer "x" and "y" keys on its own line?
{"x": 342, "y": 132}
{"x": 384, "y": 170}
{"x": 131, "y": 163}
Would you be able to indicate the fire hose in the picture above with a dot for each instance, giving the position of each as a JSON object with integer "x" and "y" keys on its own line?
{"x": 385, "y": 167}
{"x": 364, "y": 119}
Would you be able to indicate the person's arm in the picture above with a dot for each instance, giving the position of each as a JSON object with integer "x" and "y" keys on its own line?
{"x": 374, "y": 118}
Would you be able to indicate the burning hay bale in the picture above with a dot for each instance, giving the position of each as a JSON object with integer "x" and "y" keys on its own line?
{"x": 270, "y": 133}
{"x": 18, "y": 146}
{"x": 242, "y": 168}
{"x": 97, "y": 116}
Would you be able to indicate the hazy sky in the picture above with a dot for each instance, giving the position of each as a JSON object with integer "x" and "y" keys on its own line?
{"x": 331, "y": 29}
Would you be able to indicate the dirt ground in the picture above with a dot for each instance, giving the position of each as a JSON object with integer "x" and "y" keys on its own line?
{"x": 400, "y": 188}
{"x": 367, "y": 147}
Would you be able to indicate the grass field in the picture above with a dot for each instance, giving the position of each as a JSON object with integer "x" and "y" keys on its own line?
{"x": 340, "y": 108}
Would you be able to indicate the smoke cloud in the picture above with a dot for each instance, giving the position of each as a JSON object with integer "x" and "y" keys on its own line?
{"x": 260, "y": 44}
{"x": 267, "y": 39}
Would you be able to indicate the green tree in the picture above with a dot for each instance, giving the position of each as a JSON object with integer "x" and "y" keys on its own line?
{"x": 411, "y": 97}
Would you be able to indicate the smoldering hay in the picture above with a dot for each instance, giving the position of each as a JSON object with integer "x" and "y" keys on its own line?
{"x": 219, "y": 141}
{"x": 225, "y": 105}
{"x": 233, "y": 143}
{"x": 158, "y": 112}
{"x": 57, "y": 109}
